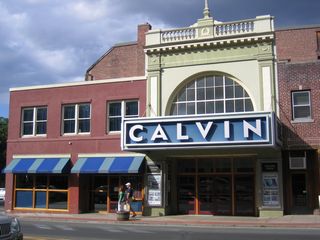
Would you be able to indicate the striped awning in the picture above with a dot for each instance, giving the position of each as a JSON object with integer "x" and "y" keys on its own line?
{"x": 116, "y": 164}
{"x": 38, "y": 165}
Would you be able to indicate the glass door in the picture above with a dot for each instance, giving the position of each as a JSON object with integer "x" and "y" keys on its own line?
{"x": 100, "y": 193}
{"x": 223, "y": 195}
{"x": 206, "y": 195}
{"x": 215, "y": 195}
{"x": 244, "y": 195}
{"x": 113, "y": 193}
{"x": 186, "y": 194}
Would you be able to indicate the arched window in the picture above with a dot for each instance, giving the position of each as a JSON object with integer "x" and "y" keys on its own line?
{"x": 211, "y": 94}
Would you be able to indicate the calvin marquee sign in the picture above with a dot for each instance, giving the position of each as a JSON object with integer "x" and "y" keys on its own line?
{"x": 199, "y": 131}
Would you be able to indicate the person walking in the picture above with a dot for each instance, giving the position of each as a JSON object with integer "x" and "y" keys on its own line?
{"x": 129, "y": 198}
{"x": 121, "y": 198}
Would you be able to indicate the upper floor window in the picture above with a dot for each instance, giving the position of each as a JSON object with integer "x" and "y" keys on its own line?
{"x": 34, "y": 121}
{"x": 76, "y": 118}
{"x": 118, "y": 110}
{"x": 211, "y": 94}
{"x": 301, "y": 106}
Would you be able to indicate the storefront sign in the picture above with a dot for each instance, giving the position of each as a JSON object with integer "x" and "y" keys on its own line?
{"x": 270, "y": 167}
{"x": 210, "y": 130}
{"x": 154, "y": 190}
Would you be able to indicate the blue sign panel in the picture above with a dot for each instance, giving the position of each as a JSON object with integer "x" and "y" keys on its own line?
{"x": 208, "y": 130}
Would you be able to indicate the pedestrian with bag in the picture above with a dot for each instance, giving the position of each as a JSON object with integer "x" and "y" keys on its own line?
{"x": 121, "y": 198}
{"x": 129, "y": 198}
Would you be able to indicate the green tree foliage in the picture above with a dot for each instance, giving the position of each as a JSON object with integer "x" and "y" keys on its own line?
{"x": 3, "y": 141}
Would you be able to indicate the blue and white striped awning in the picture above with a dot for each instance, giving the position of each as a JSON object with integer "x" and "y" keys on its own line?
{"x": 116, "y": 164}
{"x": 38, "y": 165}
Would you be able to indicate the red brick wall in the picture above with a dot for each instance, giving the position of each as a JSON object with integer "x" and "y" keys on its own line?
{"x": 125, "y": 60}
{"x": 302, "y": 72}
{"x": 97, "y": 142}
{"x": 297, "y": 44}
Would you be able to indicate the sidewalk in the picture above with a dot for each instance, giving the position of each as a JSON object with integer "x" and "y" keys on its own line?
{"x": 288, "y": 221}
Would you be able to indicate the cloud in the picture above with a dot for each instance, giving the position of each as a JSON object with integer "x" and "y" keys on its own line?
{"x": 89, "y": 11}
{"x": 51, "y": 41}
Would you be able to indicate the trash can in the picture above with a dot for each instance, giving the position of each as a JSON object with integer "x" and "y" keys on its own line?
{"x": 123, "y": 215}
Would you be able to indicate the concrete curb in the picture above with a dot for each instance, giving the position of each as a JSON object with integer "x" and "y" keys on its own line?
{"x": 159, "y": 221}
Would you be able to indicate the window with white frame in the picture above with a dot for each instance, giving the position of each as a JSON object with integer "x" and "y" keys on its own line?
{"x": 34, "y": 121}
{"x": 301, "y": 105}
{"x": 119, "y": 109}
{"x": 76, "y": 118}
{"x": 209, "y": 95}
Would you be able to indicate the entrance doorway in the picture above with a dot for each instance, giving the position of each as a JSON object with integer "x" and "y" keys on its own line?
{"x": 216, "y": 186}
{"x": 215, "y": 195}
{"x": 299, "y": 192}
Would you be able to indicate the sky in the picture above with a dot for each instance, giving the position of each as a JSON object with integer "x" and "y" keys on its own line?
{"x": 56, "y": 41}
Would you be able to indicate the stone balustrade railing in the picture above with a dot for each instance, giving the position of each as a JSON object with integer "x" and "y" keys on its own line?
{"x": 236, "y": 28}
{"x": 262, "y": 24}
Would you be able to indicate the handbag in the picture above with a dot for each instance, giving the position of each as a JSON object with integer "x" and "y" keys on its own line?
{"x": 126, "y": 207}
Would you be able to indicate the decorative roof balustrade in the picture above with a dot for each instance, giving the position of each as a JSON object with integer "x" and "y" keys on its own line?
{"x": 259, "y": 25}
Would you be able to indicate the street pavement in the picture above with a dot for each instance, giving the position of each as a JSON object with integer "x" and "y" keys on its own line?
{"x": 288, "y": 221}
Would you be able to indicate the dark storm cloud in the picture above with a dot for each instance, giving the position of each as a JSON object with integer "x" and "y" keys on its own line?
{"x": 54, "y": 41}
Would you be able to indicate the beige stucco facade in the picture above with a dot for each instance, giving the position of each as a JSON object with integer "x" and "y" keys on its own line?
{"x": 244, "y": 51}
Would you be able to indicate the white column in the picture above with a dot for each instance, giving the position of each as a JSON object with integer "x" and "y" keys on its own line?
{"x": 267, "y": 96}
{"x": 153, "y": 97}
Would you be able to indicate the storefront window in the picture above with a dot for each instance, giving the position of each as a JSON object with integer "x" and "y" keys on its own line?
{"x": 223, "y": 165}
{"x": 186, "y": 166}
{"x": 58, "y": 200}
{"x": 244, "y": 165}
{"x": 40, "y": 199}
{"x": 206, "y": 165}
{"x": 41, "y": 182}
{"x": 58, "y": 182}
{"x": 24, "y": 199}
{"x": 31, "y": 191}
{"x": 211, "y": 94}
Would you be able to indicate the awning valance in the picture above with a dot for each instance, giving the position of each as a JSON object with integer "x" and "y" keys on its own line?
{"x": 116, "y": 164}
{"x": 38, "y": 165}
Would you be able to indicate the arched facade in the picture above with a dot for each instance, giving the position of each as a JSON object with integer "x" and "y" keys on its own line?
{"x": 210, "y": 93}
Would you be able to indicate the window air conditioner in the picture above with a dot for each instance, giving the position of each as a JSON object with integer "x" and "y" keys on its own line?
{"x": 297, "y": 163}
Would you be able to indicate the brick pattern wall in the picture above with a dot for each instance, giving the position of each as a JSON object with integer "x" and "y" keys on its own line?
{"x": 294, "y": 76}
{"x": 98, "y": 141}
{"x": 297, "y": 45}
{"x": 124, "y": 60}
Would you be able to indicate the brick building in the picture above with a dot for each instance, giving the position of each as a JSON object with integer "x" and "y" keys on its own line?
{"x": 298, "y": 53}
{"x": 64, "y": 122}
{"x": 189, "y": 116}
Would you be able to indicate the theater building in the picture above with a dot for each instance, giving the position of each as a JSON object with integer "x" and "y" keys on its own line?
{"x": 189, "y": 116}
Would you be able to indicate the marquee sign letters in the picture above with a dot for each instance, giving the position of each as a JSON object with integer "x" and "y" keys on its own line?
{"x": 197, "y": 131}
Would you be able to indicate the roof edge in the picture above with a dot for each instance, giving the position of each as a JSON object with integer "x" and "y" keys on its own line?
{"x": 82, "y": 83}
{"x": 297, "y": 27}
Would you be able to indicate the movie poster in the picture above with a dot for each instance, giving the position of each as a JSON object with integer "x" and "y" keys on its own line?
{"x": 154, "y": 190}
{"x": 270, "y": 190}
